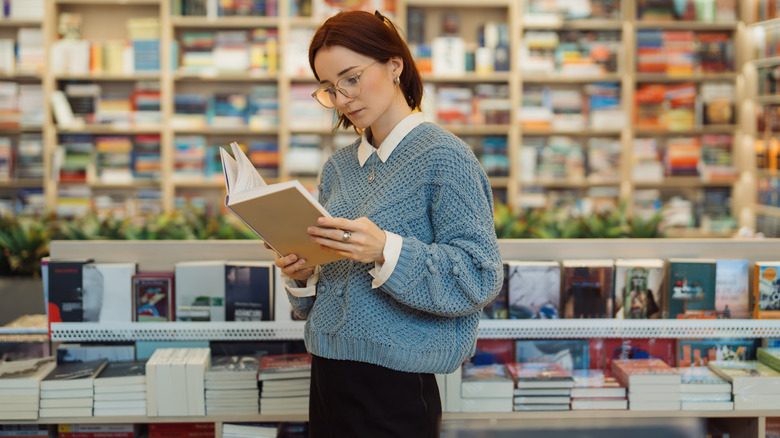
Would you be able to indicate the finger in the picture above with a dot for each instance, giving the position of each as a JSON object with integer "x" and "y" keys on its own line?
{"x": 336, "y": 222}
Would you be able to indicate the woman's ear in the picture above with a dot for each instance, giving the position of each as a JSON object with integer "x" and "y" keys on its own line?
{"x": 396, "y": 65}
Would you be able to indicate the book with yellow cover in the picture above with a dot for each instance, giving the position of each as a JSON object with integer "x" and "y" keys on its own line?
{"x": 279, "y": 213}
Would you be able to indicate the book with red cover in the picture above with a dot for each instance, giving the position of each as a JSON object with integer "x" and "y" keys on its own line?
{"x": 181, "y": 430}
{"x": 153, "y": 297}
{"x": 604, "y": 351}
{"x": 284, "y": 366}
{"x": 494, "y": 351}
{"x": 539, "y": 375}
{"x": 596, "y": 383}
{"x": 644, "y": 371}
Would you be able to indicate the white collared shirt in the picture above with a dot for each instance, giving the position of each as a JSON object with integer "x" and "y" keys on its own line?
{"x": 393, "y": 242}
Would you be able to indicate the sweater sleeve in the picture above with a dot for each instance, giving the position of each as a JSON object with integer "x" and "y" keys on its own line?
{"x": 461, "y": 271}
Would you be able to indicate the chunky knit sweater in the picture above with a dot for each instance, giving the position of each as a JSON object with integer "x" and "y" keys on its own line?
{"x": 433, "y": 192}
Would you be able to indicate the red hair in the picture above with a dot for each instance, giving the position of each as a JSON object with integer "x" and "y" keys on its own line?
{"x": 372, "y": 35}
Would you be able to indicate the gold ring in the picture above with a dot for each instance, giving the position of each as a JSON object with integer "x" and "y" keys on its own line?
{"x": 346, "y": 236}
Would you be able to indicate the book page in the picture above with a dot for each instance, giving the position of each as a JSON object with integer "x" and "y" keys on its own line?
{"x": 229, "y": 169}
{"x": 247, "y": 176}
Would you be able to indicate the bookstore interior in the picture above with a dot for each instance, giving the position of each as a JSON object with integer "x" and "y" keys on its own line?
{"x": 658, "y": 116}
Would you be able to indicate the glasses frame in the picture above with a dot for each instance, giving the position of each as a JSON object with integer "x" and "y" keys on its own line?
{"x": 336, "y": 87}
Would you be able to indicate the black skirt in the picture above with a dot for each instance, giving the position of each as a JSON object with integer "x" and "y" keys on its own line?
{"x": 357, "y": 399}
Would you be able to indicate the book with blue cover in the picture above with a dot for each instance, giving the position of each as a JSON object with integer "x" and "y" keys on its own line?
{"x": 692, "y": 288}
{"x": 732, "y": 291}
{"x": 570, "y": 354}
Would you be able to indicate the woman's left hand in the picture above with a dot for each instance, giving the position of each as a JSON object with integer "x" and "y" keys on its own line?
{"x": 358, "y": 239}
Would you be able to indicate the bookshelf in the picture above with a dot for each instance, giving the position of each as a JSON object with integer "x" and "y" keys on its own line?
{"x": 500, "y": 143}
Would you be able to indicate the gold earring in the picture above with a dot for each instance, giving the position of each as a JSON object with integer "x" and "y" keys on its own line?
{"x": 397, "y": 80}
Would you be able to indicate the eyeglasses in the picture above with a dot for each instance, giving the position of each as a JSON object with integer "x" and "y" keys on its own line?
{"x": 348, "y": 86}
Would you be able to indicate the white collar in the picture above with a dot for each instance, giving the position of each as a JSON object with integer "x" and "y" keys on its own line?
{"x": 388, "y": 146}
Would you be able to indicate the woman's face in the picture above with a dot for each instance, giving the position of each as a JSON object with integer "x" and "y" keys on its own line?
{"x": 377, "y": 92}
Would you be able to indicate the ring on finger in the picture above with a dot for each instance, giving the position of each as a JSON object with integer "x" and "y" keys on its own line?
{"x": 346, "y": 236}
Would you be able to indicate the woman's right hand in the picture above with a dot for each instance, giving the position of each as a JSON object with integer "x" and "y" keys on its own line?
{"x": 292, "y": 267}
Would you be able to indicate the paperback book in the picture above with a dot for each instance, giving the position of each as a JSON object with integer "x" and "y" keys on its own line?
{"x": 692, "y": 288}
{"x": 249, "y": 291}
{"x": 638, "y": 285}
{"x": 534, "y": 289}
{"x": 485, "y": 381}
{"x": 644, "y": 371}
{"x": 284, "y": 366}
{"x": 748, "y": 377}
{"x": 587, "y": 288}
{"x": 766, "y": 288}
{"x": 153, "y": 297}
{"x": 540, "y": 375}
{"x": 697, "y": 353}
{"x": 732, "y": 291}
{"x": 73, "y": 375}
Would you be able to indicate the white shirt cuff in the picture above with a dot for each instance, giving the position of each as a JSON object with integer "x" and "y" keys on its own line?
{"x": 391, "y": 252}
{"x": 308, "y": 291}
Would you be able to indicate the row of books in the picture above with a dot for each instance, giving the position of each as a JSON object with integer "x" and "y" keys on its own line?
{"x": 22, "y": 9}
{"x": 234, "y": 51}
{"x": 21, "y": 158}
{"x": 538, "y": 10}
{"x": 482, "y": 104}
{"x": 82, "y": 158}
{"x": 80, "y": 103}
{"x": 637, "y": 289}
{"x": 258, "y": 109}
{"x": 684, "y": 106}
{"x": 677, "y": 52}
{"x": 226, "y": 8}
{"x": 20, "y": 105}
{"x": 156, "y": 430}
{"x": 767, "y": 152}
{"x": 721, "y": 11}
{"x": 571, "y": 108}
{"x": 570, "y": 52}
{"x": 25, "y": 55}
{"x": 768, "y": 191}
{"x": 82, "y": 291}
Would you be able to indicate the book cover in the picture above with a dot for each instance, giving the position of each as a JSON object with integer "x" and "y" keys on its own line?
{"x": 732, "y": 291}
{"x": 702, "y": 380}
{"x": 692, "y": 288}
{"x": 128, "y": 372}
{"x": 697, "y": 353}
{"x": 644, "y": 371}
{"x": 638, "y": 288}
{"x": 107, "y": 291}
{"x": 604, "y": 351}
{"x": 65, "y": 291}
{"x": 26, "y": 373}
{"x": 233, "y": 368}
{"x": 587, "y": 288}
{"x": 494, "y": 351}
{"x": 73, "y": 375}
{"x": 540, "y": 375}
{"x": 596, "y": 383}
{"x": 249, "y": 291}
{"x": 480, "y": 381}
{"x": 153, "y": 297}
{"x": 284, "y": 366}
{"x": 570, "y": 354}
{"x": 260, "y": 206}
{"x": 766, "y": 288}
{"x": 534, "y": 289}
{"x": 200, "y": 290}
{"x": 748, "y": 377}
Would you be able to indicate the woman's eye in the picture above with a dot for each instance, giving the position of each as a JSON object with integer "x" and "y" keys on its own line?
{"x": 352, "y": 80}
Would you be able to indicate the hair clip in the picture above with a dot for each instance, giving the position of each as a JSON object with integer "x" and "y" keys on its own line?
{"x": 379, "y": 15}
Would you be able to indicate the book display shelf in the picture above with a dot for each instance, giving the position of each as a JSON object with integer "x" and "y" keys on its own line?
{"x": 156, "y": 255}
{"x": 560, "y": 110}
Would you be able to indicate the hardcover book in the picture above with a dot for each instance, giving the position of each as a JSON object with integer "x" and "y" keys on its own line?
{"x": 644, "y": 371}
{"x": 107, "y": 291}
{"x": 284, "y": 366}
{"x": 766, "y": 288}
{"x": 596, "y": 383}
{"x": 249, "y": 291}
{"x": 604, "y": 351}
{"x": 571, "y": 354}
{"x": 534, "y": 289}
{"x": 540, "y": 375}
{"x": 587, "y": 288}
{"x": 481, "y": 381}
{"x": 697, "y": 353}
{"x": 732, "y": 291}
{"x": 638, "y": 285}
{"x": 260, "y": 206}
{"x": 153, "y": 297}
{"x": 692, "y": 288}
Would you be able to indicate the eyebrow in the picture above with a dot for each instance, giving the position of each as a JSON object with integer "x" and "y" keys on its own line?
{"x": 341, "y": 73}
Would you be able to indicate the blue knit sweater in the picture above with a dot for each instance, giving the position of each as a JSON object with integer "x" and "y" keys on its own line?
{"x": 433, "y": 192}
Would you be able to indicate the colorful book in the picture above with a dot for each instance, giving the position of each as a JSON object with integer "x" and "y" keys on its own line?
{"x": 153, "y": 297}
{"x": 596, "y": 383}
{"x": 65, "y": 300}
{"x": 249, "y": 291}
{"x": 644, "y": 372}
{"x": 638, "y": 288}
{"x": 748, "y": 377}
{"x": 604, "y": 351}
{"x": 540, "y": 375}
{"x": 534, "y": 289}
{"x": 571, "y": 354}
{"x": 284, "y": 366}
{"x": 587, "y": 288}
{"x": 702, "y": 380}
{"x": 732, "y": 291}
{"x": 697, "y": 353}
{"x": 766, "y": 289}
{"x": 692, "y": 288}
{"x": 494, "y": 351}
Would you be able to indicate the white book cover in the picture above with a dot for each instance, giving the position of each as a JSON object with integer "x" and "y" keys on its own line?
{"x": 200, "y": 290}
{"x": 139, "y": 395}
{"x": 65, "y": 412}
{"x": 18, "y": 415}
{"x": 198, "y": 361}
{"x": 82, "y": 402}
{"x": 121, "y": 389}
{"x": 121, "y": 412}
{"x": 107, "y": 292}
{"x": 707, "y": 406}
{"x": 179, "y": 384}
{"x": 534, "y": 290}
{"x": 66, "y": 393}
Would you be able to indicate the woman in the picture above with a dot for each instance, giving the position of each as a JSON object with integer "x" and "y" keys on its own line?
{"x": 412, "y": 214}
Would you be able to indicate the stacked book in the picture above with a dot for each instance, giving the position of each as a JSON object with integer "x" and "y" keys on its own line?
{"x": 702, "y": 389}
{"x": 541, "y": 386}
{"x": 593, "y": 389}
{"x": 754, "y": 384}
{"x": 175, "y": 381}
{"x": 120, "y": 389}
{"x": 652, "y": 384}
{"x": 284, "y": 383}
{"x": 249, "y": 430}
{"x": 97, "y": 430}
{"x": 20, "y": 387}
{"x": 486, "y": 388}
{"x": 68, "y": 391}
{"x": 231, "y": 385}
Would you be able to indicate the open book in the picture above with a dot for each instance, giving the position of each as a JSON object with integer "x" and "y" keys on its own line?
{"x": 279, "y": 213}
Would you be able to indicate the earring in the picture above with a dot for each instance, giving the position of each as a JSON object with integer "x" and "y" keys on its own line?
{"x": 397, "y": 80}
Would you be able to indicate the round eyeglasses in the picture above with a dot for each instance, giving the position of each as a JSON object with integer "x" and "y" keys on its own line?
{"x": 348, "y": 86}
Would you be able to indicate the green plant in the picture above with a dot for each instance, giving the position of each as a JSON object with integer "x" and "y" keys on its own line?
{"x": 24, "y": 241}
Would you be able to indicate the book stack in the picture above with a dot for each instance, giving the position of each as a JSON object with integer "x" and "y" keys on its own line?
{"x": 20, "y": 387}
{"x": 538, "y": 386}
{"x": 175, "y": 381}
{"x": 24, "y": 430}
{"x": 67, "y": 391}
{"x": 97, "y": 430}
{"x": 249, "y": 430}
{"x": 231, "y": 385}
{"x": 120, "y": 389}
{"x": 593, "y": 389}
{"x": 486, "y": 388}
{"x": 652, "y": 384}
{"x": 702, "y": 389}
{"x": 754, "y": 385}
{"x": 284, "y": 383}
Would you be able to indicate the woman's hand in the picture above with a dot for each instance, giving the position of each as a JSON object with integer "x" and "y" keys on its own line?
{"x": 292, "y": 267}
{"x": 358, "y": 239}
